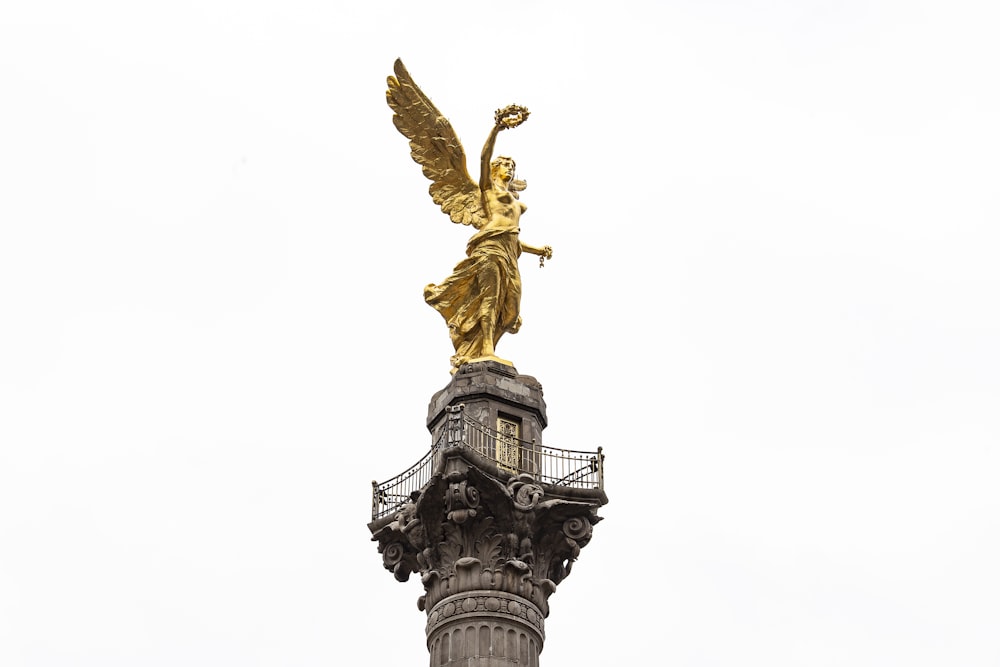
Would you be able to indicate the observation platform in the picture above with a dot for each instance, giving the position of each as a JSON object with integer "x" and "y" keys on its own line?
{"x": 481, "y": 416}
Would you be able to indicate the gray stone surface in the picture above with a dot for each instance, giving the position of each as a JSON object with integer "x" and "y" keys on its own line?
{"x": 490, "y": 545}
{"x": 487, "y": 389}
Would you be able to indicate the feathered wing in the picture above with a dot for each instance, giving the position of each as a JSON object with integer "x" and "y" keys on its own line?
{"x": 436, "y": 148}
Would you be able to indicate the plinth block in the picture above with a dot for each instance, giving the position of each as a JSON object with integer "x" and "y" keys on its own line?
{"x": 491, "y": 391}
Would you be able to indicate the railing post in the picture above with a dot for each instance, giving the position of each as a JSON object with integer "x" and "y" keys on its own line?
{"x": 600, "y": 467}
{"x": 455, "y": 426}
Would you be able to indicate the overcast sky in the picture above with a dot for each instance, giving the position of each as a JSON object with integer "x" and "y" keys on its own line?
{"x": 773, "y": 301}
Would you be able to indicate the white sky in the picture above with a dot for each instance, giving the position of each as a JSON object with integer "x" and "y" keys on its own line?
{"x": 773, "y": 301}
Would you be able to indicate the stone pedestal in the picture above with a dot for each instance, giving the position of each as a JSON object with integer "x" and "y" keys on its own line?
{"x": 490, "y": 391}
{"x": 489, "y": 537}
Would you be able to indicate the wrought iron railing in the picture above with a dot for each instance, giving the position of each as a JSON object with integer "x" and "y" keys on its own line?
{"x": 549, "y": 465}
{"x": 392, "y": 494}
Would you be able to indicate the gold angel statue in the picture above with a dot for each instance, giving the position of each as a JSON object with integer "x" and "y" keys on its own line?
{"x": 481, "y": 299}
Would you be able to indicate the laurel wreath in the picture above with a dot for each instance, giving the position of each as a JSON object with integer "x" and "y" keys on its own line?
{"x": 511, "y": 116}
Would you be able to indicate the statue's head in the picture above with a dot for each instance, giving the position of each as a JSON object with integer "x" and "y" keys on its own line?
{"x": 502, "y": 169}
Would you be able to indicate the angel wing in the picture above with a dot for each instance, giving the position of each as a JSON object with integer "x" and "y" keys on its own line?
{"x": 436, "y": 148}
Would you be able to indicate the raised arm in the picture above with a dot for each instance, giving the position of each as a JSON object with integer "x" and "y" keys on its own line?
{"x": 485, "y": 179}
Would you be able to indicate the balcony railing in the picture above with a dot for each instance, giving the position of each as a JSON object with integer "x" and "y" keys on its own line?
{"x": 548, "y": 465}
{"x": 392, "y": 494}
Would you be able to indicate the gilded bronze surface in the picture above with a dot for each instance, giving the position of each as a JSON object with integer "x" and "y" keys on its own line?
{"x": 481, "y": 299}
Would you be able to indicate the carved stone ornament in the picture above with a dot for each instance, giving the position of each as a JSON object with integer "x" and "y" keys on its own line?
{"x": 467, "y": 532}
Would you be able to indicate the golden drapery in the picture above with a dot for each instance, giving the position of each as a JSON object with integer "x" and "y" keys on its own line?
{"x": 483, "y": 290}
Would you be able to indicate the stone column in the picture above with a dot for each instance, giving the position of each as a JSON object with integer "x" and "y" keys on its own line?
{"x": 490, "y": 543}
{"x": 485, "y": 629}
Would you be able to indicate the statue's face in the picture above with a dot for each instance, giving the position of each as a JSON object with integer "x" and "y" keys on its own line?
{"x": 504, "y": 170}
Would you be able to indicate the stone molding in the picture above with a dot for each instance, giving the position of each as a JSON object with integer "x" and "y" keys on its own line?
{"x": 486, "y": 604}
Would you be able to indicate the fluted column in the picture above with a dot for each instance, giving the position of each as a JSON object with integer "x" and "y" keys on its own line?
{"x": 485, "y": 629}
